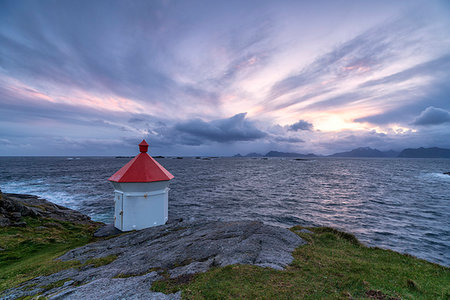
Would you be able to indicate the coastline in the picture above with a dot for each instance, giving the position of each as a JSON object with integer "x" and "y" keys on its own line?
{"x": 228, "y": 254}
{"x": 380, "y": 201}
{"x": 16, "y": 206}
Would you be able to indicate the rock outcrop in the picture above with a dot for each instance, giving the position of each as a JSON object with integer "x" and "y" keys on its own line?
{"x": 15, "y": 206}
{"x": 175, "y": 249}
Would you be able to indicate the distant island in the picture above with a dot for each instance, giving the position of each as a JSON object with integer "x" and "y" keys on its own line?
{"x": 277, "y": 154}
{"x": 288, "y": 154}
{"x": 366, "y": 152}
{"x": 426, "y": 153}
{"x": 434, "y": 152}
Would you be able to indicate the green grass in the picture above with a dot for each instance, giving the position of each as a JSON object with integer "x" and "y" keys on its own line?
{"x": 334, "y": 265}
{"x": 56, "y": 284}
{"x": 30, "y": 251}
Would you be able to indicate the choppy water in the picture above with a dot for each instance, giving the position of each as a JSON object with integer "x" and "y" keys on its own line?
{"x": 400, "y": 204}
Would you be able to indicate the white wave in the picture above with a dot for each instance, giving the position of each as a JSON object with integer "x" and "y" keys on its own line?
{"x": 39, "y": 188}
{"x": 437, "y": 176}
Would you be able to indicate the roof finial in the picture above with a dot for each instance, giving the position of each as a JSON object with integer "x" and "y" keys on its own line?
{"x": 143, "y": 146}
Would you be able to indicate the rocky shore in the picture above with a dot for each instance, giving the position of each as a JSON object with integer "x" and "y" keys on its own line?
{"x": 13, "y": 207}
{"x": 125, "y": 266}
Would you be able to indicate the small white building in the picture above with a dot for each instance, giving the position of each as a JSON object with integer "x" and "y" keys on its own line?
{"x": 141, "y": 193}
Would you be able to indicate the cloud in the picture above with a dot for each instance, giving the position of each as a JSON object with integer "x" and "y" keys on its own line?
{"x": 436, "y": 95}
{"x": 369, "y": 70}
{"x": 291, "y": 140}
{"x": 438, "y": 65}
{"x": 236, "y": 128}
{"x": 363, "y": 54}
{"x": 4, "y": 142}
{"x": 106, "y": 55}
{"x": 301, "y": 125}
{"x": 432, "y": 116}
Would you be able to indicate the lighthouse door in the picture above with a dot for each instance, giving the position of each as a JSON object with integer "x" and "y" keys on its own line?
{"x": 118, "y": 211}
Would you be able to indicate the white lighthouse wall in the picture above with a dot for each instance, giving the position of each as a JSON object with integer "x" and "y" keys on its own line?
{"x": 141, "y": 212}
{"x": 118, "y": 207}
{"x": 144, "y": 204}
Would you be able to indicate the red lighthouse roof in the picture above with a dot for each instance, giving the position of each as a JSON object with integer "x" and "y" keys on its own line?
{"x": 142, "y": 168}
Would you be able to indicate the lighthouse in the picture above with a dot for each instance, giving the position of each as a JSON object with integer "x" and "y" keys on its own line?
{"x": 141, "y": 192}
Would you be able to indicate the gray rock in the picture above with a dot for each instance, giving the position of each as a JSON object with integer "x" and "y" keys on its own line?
{"x": 4, "y": 221}
{"x": 306, "y": 231}
{"x": 179, "y": 248}
{"x": 107, "y": 230}
{"x": 16, "y": 216}
{"x": 15, "y": 206}
{"x": 116, "y": 288}
{"x": 19, "y": 224}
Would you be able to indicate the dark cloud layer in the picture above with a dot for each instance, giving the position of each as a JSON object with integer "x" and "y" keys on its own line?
{"x": 301, "y": 125}
{"x": 236, "y": 128}
{"x": 432, "y": 116}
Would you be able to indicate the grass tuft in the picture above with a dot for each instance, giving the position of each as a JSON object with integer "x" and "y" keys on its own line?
{"x": 100, "y": 261}
{"x": 411, "y": 284}
{"x": 172, "y": 285}
{"x": 55, "y": 284}
{"x": 339, "y": 234}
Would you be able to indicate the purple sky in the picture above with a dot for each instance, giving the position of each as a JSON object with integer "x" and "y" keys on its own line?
{"x": 222, "y": 77}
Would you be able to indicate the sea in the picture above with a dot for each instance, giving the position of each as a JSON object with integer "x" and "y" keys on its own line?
{"x": 392, "y": 203}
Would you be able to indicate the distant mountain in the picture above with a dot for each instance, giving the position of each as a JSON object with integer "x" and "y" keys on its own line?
{"x": 253, "y": 154}
{"x": 288, "y": 154}
{"x": 426, "y": 153}
{"x": 366, "y": 152}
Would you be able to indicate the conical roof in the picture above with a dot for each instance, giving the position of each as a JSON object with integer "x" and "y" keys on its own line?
{"x": 142, "y": 168}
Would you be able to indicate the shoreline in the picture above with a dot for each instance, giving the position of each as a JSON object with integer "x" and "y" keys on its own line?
{"x": 367, "y": 241}
{"x": 63, "y": 213}
{"x": 16, "y": 206}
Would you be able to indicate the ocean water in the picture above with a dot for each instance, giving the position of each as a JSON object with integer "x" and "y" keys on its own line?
{"x": 398, "y": 204}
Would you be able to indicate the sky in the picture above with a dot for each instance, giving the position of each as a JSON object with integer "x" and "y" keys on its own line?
{"x": 223, "y": 77}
